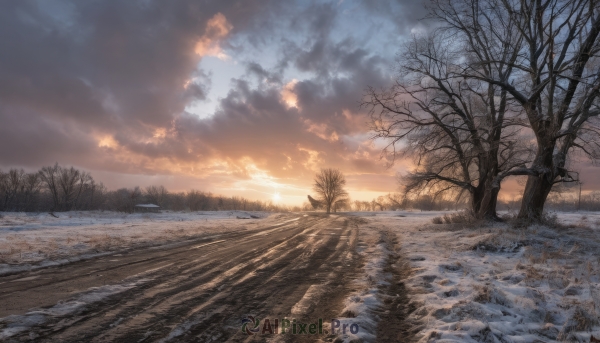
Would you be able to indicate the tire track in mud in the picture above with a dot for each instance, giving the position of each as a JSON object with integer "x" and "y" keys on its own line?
{"x": 394, "y": 325}
{"x": 203, "y": 293}
{"x": 78, "y": 276}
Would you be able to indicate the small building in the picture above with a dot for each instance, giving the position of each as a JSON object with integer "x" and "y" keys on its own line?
{"x": 146, "y": 208}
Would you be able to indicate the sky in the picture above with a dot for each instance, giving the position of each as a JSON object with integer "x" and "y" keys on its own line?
{"x": 246, "y": 97}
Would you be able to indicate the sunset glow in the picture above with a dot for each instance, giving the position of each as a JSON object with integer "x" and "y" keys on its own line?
{"x": 276, "y": 197}
{"x": 234, "y": 98}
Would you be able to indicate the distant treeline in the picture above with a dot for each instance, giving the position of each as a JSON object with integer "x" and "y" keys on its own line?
{"x": 395, "y": 201}
{"x": 557, "y": 201}
{"x": 57, "y": 188}
{"x": 561, "y": 202}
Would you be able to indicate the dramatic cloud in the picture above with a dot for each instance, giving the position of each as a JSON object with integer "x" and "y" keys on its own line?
{"x": 246, "y": 97}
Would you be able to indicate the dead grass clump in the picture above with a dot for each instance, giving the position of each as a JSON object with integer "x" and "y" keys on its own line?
{"x": 437, "y": 220}
{"x": 547, "y": 219}
{"x": 550, "y": 220}
{"x": 489, "y": 294}
{"x": 502, "y": 241}
{"x": 349, "y": 314}
{"x": 533, "y": 277}
{"x": 580, "y": 320}
{"x": 558, "y": 280}
{"x": 461, "y": 217}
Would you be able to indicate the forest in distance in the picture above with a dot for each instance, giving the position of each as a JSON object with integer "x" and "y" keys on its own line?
{"x": 58, "y": 188}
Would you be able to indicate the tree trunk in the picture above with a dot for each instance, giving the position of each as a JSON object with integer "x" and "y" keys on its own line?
{"x": 534, "y": 197}
{"x": 483, "y": 203}
{"x": 537, "y": 187}
{"x": 487, "y": 209}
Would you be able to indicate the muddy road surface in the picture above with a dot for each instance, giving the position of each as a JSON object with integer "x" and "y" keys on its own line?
{"x": 192, "y": 291}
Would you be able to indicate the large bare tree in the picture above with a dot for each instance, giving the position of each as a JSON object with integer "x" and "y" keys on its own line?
{"x": 544, "y": 55}
{"x": 157, "y": 195}
{"x": 329, "y": 186}
{"x": 66, "y": 185}
{"x": 463, "y": 133}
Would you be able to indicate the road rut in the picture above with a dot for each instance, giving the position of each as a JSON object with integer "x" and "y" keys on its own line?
{"x": 193, "y": 291}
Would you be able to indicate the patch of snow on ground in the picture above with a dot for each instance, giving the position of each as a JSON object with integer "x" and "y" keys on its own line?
{"x": 33, "y": 240}
{"x": 374, "y": 244}
{"x": 14, "y": 324}
{"x": 496, "y": 283}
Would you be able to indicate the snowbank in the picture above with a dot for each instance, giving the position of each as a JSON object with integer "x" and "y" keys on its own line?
{"x": 501, "y": 284}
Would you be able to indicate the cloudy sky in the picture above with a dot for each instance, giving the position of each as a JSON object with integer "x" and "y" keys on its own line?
{"x": 245, "y": 97}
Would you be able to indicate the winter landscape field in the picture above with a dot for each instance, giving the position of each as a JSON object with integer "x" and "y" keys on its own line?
{"x": 405, "y": 278}
{"x": 347, "y": 171}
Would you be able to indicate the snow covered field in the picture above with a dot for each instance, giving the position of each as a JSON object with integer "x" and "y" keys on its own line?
{"x": 490, "y": 283}
{"x": 466, "y": 282}
{"x": 30, "y": 240}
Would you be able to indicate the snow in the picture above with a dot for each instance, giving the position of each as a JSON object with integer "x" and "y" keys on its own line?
{"x": 468, "y": 283}
{"x": 14, "y": 324}
{"x": 491, "y": 282}
{"x": 35, "y": 240}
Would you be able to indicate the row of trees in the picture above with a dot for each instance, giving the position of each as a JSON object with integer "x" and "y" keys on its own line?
{"x": 499, "y": 88}
{"x": 57, "y": 188}
{"x": 52, "y": 188}
{"x": 331, "y": 196}
{"x": 395, "y": 201}
{"x": 557, "y": 201}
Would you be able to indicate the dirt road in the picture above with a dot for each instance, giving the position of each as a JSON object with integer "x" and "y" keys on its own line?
{"x": 193, "y": 291}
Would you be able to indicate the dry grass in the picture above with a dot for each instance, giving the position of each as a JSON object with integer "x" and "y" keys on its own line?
{"x": 580, "y": 320}
{"x": 461, "y": 217}
{"x": 489, "y": 294}
{"x": 502, "y": 240}
{"x": 17, "y": 250}
{"x": 437, "y": 220}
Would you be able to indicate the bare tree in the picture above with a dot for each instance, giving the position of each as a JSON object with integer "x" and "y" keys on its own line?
{"x": 156, "y": 195}
{"x": 71, "y": 183}
{"x": 197, "y": 201}
{"x": 125, "y": 199}
{"x": 544, "y": 56}
{"x": 380, "y": 203}
{"x": 49, "y": 176}
{"x": 316, "y": 204}
{"x": 396, "y": 201}
{"x": 463, "y": 133}
{"x": 66, "y": 185}
{"x": 10, "y": 184}
{"x": 329, "y": 185}
{"x": 29, "y": 192}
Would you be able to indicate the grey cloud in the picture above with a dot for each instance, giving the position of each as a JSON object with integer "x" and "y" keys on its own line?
{"x": 118, "y": 68}
{"x": 256, "y": 69}
{"x": 405, "y": 14}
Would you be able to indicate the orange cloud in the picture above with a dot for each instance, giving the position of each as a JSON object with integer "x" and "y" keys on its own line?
{"x": 107, "y": 142}
{"x": 287, "y": 94}
{"x": 217, "y": 28}
{"x": 322, "y": 131}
